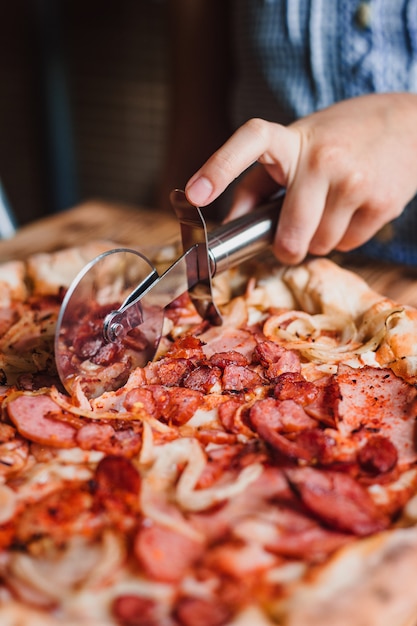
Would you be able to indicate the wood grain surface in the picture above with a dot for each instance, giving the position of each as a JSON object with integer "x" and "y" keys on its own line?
{"x": 148, "y": 230}
{"x": 127, "y": 225}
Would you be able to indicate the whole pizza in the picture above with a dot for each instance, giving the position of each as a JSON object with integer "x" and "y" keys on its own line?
{"x": 258, "y": 473}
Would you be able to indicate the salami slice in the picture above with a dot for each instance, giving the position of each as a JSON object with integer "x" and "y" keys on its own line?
{"x": 37, "y": 418}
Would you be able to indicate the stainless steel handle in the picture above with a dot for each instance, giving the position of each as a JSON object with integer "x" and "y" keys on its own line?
{"x": 227, "y": 246}
{"x": 239, "y": 240}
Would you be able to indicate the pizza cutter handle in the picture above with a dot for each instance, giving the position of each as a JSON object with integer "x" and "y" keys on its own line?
{"x": 239, "y": 240}
{"x": 227, "y": 246}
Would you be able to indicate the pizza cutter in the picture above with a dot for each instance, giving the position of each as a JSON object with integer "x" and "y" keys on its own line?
{"x": 112, "y": 315}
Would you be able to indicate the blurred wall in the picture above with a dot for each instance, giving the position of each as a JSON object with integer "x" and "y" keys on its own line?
{"x": 83, "y": 101}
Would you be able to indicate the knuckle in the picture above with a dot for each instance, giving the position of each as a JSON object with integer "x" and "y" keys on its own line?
{"x": 257, "y": 126}
{"x": 335, "y": 161}
{"x": 324, "y": 156}
{"x": 353, "y": 183}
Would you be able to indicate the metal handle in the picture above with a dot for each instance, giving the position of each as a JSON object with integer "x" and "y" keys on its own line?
{"x": 239, "y": 240}
{"x": 227, "y": 246}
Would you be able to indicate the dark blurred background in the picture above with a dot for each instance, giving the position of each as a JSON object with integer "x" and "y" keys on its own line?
{"x": 83, "y": 102}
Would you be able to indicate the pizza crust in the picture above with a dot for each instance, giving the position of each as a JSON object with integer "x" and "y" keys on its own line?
{"x": 50, "y": 272}
{"x": 12, "y": 283}
{"x": 321, "y": 286}
{"x": 369, "y": 583}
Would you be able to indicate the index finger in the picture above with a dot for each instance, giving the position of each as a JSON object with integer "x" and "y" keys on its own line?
{"x": 257, "y": 140}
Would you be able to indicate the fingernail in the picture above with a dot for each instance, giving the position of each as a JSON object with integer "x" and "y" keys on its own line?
{"x": 200, "y": 190}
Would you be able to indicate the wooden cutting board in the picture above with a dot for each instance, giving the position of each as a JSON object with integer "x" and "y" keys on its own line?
{"x": 147, "y": 230}
{"x": 128, "y": 225}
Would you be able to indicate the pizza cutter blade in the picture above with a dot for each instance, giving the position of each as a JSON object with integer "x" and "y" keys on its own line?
{"x": 112, "y": 316}
{"x": 83, "y": 354}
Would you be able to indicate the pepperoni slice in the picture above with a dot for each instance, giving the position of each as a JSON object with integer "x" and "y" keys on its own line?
{"x": 182, "y": 405}
{"x": 378, "y": 455}
{"x": 202, "y": 612}
{"x": 116, "y": 475}
{"x": 267, "y": 352}
{"x": 240, "y": 378}
{"x": 102, "y": 436}
{"x": 37, "y": 418}
{"x": 164, "y": 554}
{"x": 203, "y": 378}
{"x": 227, "y": 415}
{"x": 221, "y": 359}
{"x": 285, "y": 416}
{"x": 276, "y": 359}
{"x": 171, "y": 372}
{"x": 141, "y": 397}
{"x": 95, "y": 436}
{"x": 273, "y": 419}
{"x": 338, "y": 500}
{"x": 131, "y": 610}
{"x": 116, "y": 490}
{"x": 312, "y": 543}
{"x": 293, "y": 386}
{"x": 187, "y": 347}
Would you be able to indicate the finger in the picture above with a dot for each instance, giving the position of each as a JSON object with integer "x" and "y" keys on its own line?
{"x": 256, "y": 140}
{"x": 335, "y": 222}
{"x": 300, "y": 217}
{"x": 255, "y": 187}
{"x": 365, "y": 223}
{"x": 346, "y": 194}
{"x": 331, "y": 230}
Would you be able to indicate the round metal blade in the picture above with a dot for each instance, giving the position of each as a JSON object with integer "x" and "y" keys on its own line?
{"x": 83, "y": 356}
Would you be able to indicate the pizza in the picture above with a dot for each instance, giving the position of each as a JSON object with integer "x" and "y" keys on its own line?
{"x": 259, "y": 473}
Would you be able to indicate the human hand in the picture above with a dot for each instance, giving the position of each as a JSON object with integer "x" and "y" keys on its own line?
{"x": 348, "y": 170}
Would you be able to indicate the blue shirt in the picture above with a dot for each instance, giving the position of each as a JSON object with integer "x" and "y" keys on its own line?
{"x": 297, "y": 56}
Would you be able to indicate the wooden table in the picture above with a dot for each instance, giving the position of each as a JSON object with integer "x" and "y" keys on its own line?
{"x": 128, "y": 225}
{"x": 147, "y": 229}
